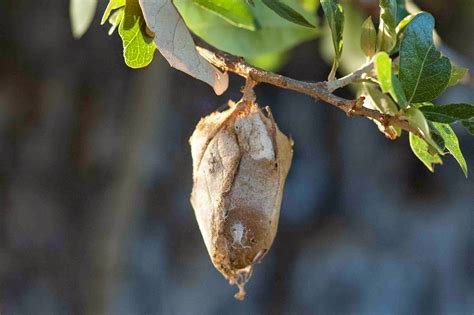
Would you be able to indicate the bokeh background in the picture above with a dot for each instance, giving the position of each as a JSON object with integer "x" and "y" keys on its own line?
{"x": 95, "y": 178}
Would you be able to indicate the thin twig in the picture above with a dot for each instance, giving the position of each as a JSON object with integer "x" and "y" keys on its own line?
{"x": 318, "y": 90}
{"x": 358, "y": 75}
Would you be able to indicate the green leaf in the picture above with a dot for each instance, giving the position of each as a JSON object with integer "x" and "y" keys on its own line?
{"x": 375, "y": 99}
{"x": 335, "y": 17}
{"x": 387, "y": 36}
{"x": 274, "y": 35}
{"x": 402, "y": 11}
{"x": 270, "y": 62}
{"x": 424, "y": 73}
{"x": 457, "y": 74}
{"x": 451, "y": 143}
{"x": 388, "y": 81}
{"x": 422, "y": 151}
{"x": 310, "y": 5}
{"x": 138, "y": 48}
{"x": 368, "y": 38}
{"x": 115, "y": 20}
{"x": 402, "y": 25}
{"x": 381, "y": 101}
{"x": 236, "y": 12}
{"x": 469, "y": 125}
{"x": 287, "y": 12}
{"x": 416, "y": 119}
{"x": 81, "y": 13}
{"x": 113, "y": 5}
{"x": 383, "y": 68}
{"x": 448, "y": 114}
{"x": 398, "y": 94}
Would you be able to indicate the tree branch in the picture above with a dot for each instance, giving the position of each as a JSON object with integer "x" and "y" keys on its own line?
{"x": 318, "y": 90}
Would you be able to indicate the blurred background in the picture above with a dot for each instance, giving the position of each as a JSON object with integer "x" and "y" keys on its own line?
{"x": 95, "y": 179}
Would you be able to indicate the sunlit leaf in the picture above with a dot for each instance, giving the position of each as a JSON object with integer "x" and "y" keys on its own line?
{"x": 387, "y": 35}
{"x": 421, "y": 149}
{"x": 138, "y": 48}
{"x": 451, "y": 143}
{"x": 368, "y": 38}
{"x": 287, "y": 12}
{"x": 236, "y": 12}
{"x": 81, "y": 13}
{"x": 174, "y": 41}
{"x": 424, "y": 73}
{"x": 335, "y": 17}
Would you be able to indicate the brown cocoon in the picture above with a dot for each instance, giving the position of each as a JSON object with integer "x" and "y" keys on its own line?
{"x": 240, "y": 163}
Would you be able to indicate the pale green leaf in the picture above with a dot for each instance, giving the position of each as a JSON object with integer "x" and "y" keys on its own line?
{"x": 335, "y": 17}
{"x": 375, "y": 99}
{"x": 270, "y": 62}
{"x": 113, "y": 5}
{"x": 387, "y": 36}
{"x": 451, "y": 143}
{"x": 368, "y": 38}
{"x": 81, "y": 13}
{"x": 388, "y": 81}
{"x": 236, "y": 12}
{"x": 457, "y": 74}
{"x": 422, "y": 151}
{"x": 416, "y": 119}
{"x": 273, "y": 36}
{"x": 115, "y": 20}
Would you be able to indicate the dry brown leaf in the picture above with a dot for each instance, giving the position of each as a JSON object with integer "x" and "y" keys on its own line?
{"x": 174, "y": 41}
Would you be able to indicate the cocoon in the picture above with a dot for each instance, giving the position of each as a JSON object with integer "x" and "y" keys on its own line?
{"x": 240, "y": 163}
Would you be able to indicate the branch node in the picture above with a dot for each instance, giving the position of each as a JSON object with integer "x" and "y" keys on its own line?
{"x": 247, "y": 90}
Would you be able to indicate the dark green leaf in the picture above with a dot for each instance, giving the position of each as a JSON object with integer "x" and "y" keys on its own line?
{"x": 401, "y": 10}
{"x": 368, "y": 38}
{"x": 422, "y": 151}
{"x": 138, "y": 48}
{"x": 469, "y": 125}
{"x": 424, "y": 73}
{"x": 236, "y": 12}
{"x": 387, "y": 36}
{"x": 398, "y": 93}
{"x": 335, "y": 17}
{"x": 457, "y": 74}
{"x": 287, "y": 12}
{"x": 448, "y": 114}
{"x": 451, "y": 143}
{"x": 274, "y": 35}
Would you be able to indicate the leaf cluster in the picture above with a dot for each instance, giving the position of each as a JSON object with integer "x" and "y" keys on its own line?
{"x": 409, "y": 72}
